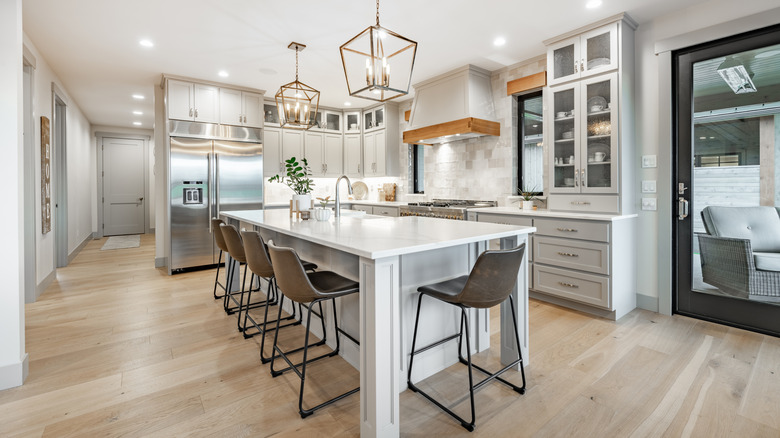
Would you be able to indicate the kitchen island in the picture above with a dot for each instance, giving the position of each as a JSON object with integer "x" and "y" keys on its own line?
{"x": 391, "y": 257}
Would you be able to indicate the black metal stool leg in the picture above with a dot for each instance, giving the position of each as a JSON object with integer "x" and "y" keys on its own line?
{"x": 216, "y": 278}
{"x": 228, "y": 283}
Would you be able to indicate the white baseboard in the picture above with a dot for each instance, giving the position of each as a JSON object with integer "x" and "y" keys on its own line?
{"x": 160, "y": 262}
{"x": 45, "y": 283}
{"x": 13, "y": 375}
{"x": 647, "y": 302}
{"x": 78, "y": 249}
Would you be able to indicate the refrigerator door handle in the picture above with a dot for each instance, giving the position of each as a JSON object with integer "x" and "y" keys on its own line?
{"x": 208, "y": 187}
{"x": 216, "y": 184}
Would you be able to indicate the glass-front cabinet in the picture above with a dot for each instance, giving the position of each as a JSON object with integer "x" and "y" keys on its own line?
{"x": 584, "y": 136}
{"x": 271, "y": 114}
{"x": 588, "y": 54}
{"x": 374, "y": 118}
{"x": 352, "y": 122}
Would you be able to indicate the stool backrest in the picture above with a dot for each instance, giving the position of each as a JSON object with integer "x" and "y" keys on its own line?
{"x": 256, "y": 251}
{"x": 290, "y": 275}
{"x": 492, "y": 278}
{"x": 215, "y": 225}
{"x": 233, "y": 241}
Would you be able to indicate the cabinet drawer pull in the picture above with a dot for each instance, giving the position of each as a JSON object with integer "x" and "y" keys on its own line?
{"x": 568, "y": 230}
{"x": 573, "y": 286}
{"x": 580, "y": 203}
{"x": 568, "y": 254}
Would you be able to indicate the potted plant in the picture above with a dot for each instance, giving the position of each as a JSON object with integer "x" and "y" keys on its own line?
{"x": 322, "y": 213}
{"x": 297, "y": 177}
{"x": 528, "y": 198}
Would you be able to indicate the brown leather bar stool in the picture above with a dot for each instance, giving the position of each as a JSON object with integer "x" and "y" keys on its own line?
{"x": 236, "y": 250}
{"x": 220, "y": 241}
{"x": 490, "y": 283}
{"x": 311, "y": 288}
{"x": 259, "y": 263}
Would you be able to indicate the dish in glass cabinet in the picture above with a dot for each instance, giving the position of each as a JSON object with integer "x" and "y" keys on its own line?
{"x": 359, "y": 190}
{"x": 598, "y": 150}
{"x": 597, "y": 62}
{"x": 567, "y": 135}
{"x": 596, "y": 103}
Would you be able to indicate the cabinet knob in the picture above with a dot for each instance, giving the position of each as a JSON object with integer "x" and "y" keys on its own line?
{"x": 573, "y": 286}
{"x": 190, "y": 112}
{"x": 196, "y": 113}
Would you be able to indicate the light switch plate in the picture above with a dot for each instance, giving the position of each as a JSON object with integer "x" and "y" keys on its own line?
{"x": 648, "y": 204}
{"x": 649, "y": 161}
{"x": 648, "y": 186}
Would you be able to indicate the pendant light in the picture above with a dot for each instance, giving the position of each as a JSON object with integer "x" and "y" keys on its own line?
{"x": 368, "y": 57}
{"x": 298, "y": 103}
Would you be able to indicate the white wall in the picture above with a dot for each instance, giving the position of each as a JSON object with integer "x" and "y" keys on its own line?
{"x": 81, "y": 166}
{"x": 654, "y": 238}
{"x": 13, "y": 359}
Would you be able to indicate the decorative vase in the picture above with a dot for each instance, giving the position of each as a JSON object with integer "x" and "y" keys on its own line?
{"x": 528, "y": 205}
{"x": 321, "y": 214}
{"x": 301, "y": 202}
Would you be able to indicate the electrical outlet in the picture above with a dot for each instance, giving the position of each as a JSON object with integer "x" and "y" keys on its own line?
{"x": 648, "y": 186}
{"x": 648, "y": 161}
{"x": 648, "y": 204}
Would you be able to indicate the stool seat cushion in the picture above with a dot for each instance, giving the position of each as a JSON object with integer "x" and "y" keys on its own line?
{"x": 767, "y": 261}
{"x": 332, "y": 284}
{"x": 447, "y": 290}
{"x": 308, "y": 266}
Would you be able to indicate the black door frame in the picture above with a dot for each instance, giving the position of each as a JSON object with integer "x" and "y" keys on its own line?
{"x": 749, "y": 315}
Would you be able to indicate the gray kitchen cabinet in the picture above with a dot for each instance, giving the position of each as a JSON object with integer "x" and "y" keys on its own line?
{"x": 367, "y": 208}
{"x": 353, "y": 156}
{"x": 588, "y": 264}
{"x": 272, "y": 152}
{"x": 386, "y": 211}
{"x": 192, "y": 101}
{"x": 324, "y": 153}
{"x": 381, "y": 140}
{"x": 240, "y": 108}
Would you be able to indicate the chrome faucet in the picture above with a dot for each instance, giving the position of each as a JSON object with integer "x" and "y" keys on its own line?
{"x": 337, "y": 213}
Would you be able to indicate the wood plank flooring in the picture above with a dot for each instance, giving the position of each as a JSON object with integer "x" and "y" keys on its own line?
{"x": 119, "y": 348}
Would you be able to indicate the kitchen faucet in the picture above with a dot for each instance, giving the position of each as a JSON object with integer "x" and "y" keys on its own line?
{"x": 337, "y": 213}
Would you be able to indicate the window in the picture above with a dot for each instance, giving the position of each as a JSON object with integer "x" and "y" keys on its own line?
{"x": 530, "y": 166}
{"x": 417, "y": 165}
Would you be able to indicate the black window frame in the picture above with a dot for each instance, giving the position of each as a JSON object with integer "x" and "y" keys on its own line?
{"x": 520, "y": 135}
{"x": 418, "y": 176}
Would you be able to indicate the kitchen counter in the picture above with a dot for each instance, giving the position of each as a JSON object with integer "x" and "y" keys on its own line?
{"x": 277, "y": 205}
{"x": 392, "y": 257}
{"x": 553, "y": 214}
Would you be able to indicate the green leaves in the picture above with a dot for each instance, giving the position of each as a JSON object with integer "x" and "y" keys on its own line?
{"x": 297, "y": 176}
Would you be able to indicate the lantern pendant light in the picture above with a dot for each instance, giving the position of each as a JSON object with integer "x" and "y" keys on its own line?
{"x": 298, "y": 103}
{"x": 367, "y": 59}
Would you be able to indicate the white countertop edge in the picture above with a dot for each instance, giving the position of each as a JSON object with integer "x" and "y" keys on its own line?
{"x": 514, "y": 211}
{"x": 343, "y": 202}
{"x": 247, "y": 216}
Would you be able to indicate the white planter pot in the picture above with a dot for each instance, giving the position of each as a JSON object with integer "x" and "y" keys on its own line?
{"x": 528, "y": 205}
{"x": 321, "y": 214}
{"x": 301, "y": 202}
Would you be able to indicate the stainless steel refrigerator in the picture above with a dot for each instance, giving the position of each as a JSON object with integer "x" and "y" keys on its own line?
{"x": 208, "y": 177}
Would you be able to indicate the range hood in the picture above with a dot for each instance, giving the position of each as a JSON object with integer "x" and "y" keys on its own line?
{"x": 451, "y": 107}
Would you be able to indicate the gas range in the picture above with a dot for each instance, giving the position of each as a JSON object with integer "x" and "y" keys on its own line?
{"x": 443, "y": 208}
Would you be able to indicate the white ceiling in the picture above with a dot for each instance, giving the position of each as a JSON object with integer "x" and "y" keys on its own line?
{"x": 93, "y": 45}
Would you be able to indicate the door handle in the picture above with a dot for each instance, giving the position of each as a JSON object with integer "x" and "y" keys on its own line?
{"x": 216, "y": 183}
{"x": 196, "y": 113}
{"x": 208, "y": 187}
{"x": 140, "y": 199}
{"x": 190, "y": 111}
{"x": 582, "y": 177}
{"x": 576, "y": 178}
{"x": 682, "y": 208}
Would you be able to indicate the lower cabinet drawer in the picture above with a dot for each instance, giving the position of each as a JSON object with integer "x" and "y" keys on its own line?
{"x": 573, "y": 254}
{"x": 573, "y": 229}
{"x": 386, "y": 211}
{"x": 504, "y": 219}
{"x": 585, "y": 288}
{"x": 584, "y": 203}
{"x": 367, "y": 208}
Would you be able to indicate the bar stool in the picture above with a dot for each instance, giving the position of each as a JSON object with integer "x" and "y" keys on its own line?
{"x": 220, "y": 241}
{"x": 312, "y": 288}
{"x": 259, "y": 264}
{"x": 236, "y": 251}
{"x": 489, "y": 283}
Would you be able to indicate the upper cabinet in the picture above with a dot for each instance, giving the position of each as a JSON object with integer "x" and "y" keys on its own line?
{"x": 352, "y": 122}
{"x": 240, "y": 108}
{"x": 589, "y": 129}
{"x": 588, "y": 54}
{"x": 212, "y": 104}
{"x": 189, "y": 101}
{"x": 374, "y": 118}
{"x": 381, "y": 140}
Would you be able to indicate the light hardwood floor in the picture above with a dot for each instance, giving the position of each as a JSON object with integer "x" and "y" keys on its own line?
{"x": 119, "y": 348}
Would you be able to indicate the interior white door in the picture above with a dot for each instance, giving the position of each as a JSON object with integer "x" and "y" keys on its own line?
{"x": 123, "y": 186}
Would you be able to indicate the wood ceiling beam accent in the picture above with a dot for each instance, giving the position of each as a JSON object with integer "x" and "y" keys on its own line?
{"x": 463, "y": 126}
{"x": 407, "y": 115}
{"x": 526, "y": 83}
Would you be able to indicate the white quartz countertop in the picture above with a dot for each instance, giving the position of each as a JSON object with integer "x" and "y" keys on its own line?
{"x": 514, "y": 211}
{"x": 374, "y": 237}
{"x": 343, "y": 202}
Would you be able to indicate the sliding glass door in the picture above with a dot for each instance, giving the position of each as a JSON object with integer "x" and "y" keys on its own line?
{"x": 727, "y": 187}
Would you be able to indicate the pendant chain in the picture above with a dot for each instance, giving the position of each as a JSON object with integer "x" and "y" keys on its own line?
{"x": 296, "y": 64}
{"x": 377, "y": 13}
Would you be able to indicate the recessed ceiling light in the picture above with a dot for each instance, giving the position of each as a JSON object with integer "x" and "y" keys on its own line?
{"x": 499, "y": 41}
{"x": 347, "y": 103}
{"x": 138, "y": 113}
{"x": 138, "y": 96}
{"x": 593, "y": 4}
{"x": 223, "y": 73}
{"x": 146, "y": 43}
{"x": 137, "y": 123}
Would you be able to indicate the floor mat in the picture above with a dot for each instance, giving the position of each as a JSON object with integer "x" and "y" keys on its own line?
{"x": 122, "y": 242}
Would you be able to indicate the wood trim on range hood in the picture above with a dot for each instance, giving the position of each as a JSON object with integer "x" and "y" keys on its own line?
{"x": 465, "y": 128}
